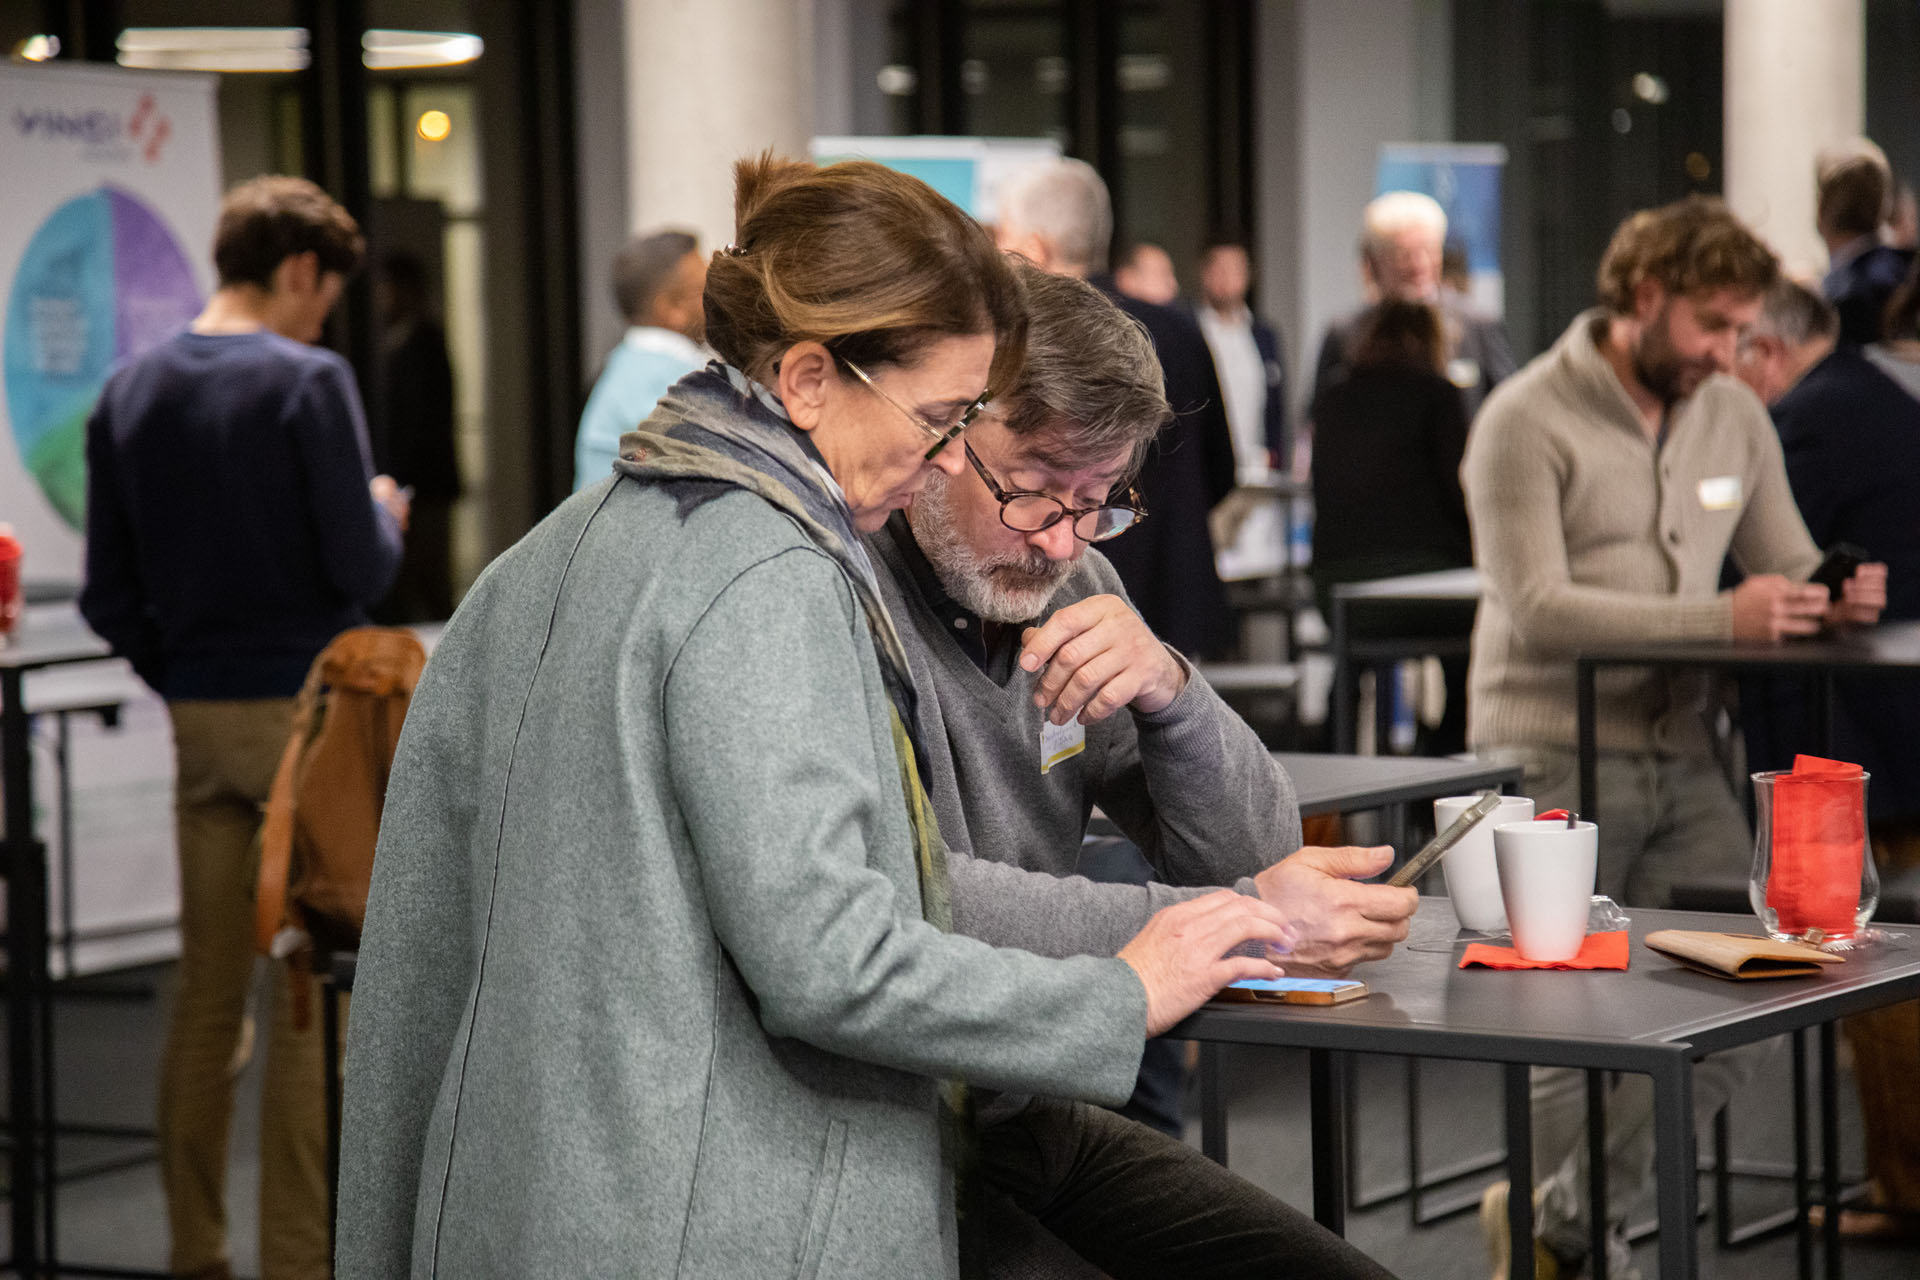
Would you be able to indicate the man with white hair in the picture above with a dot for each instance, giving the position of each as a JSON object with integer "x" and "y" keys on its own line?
{"x": 1060, "y": 218}
{"x": 1402, "y": 240}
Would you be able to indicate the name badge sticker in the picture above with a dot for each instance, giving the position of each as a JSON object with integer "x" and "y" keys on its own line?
{"x": 1720, "y": 493}
{"x": 1060, "y": 742}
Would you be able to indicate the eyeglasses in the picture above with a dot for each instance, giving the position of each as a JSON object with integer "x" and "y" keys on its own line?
{"x": 1025, "y": 511}
{"x": 942, "y": 436}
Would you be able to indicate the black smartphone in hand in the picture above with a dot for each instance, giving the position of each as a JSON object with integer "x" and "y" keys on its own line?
{"x": 1842, "y": 559}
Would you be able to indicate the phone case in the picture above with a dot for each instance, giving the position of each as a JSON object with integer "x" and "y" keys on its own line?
{"x": 1339, "y": 995}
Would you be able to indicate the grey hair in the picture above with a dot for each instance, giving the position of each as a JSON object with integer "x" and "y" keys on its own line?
{"x": 1092, "y": 384}
{"x": 1388, "y": 215}
{"x": 644, "y": 266}
{"x": 1796, "y": 315}
{"x": 1065, "y": 203}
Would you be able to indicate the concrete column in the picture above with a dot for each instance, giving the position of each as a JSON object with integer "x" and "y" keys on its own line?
{"x": 1795, "y": 81}
{"x": 709, "y": 81}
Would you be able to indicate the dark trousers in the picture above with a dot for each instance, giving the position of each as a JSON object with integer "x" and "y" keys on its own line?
{"x": 1135, "y": 1203}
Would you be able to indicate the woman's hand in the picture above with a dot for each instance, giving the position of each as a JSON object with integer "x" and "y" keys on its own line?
{"x": 1182, "y": 955}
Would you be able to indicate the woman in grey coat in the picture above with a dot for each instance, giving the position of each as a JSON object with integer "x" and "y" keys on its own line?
{"x": 655, "y": 980}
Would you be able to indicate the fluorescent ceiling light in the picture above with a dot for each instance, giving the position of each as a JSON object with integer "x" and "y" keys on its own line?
{"x": 214, "y": 48}
{"x": 284, "y": 48}
{"x": 384, "y": 50}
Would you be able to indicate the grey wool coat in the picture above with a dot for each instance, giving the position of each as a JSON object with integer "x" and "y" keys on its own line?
{"x": 645, "y": 988}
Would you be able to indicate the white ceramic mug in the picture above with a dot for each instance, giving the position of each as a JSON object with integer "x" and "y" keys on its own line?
{"x": 1473, "y": 880}
{"x": 1546, "y": 880}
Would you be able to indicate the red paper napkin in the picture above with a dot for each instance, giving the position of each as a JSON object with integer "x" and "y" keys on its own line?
{"x": 1819, "y": 837}
{"x": 1599, "y": 951}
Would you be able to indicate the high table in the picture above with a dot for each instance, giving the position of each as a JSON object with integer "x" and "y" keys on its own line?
{"x": 47, "y": 636}
{"x": 1443, "y": 601}
{"x": 1657, "y": 1018}
{"x": 1888, "y": 649}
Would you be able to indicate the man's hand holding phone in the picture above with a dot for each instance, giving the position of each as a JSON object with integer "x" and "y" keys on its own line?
{"x": 1862, "y": 597}
{"x": 1769, "y": 608}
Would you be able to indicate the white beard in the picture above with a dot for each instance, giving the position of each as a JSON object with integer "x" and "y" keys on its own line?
{"x": 996, "y": 588}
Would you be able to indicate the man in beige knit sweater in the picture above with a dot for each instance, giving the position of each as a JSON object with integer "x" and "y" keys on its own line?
{"x": 1606, "y": 483}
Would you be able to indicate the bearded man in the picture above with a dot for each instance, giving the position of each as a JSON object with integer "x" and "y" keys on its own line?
{"x": 1606, "y": 483}
{"x": 1043, "y": 694}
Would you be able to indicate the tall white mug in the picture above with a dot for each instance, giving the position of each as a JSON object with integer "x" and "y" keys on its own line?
{"x": 1473, "y": 880}
{"x": 1546, "y": 880}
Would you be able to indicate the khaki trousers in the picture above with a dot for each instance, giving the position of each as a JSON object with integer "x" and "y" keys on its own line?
{"x": 226, "y": 753}
{"x": 1886, "y": 1061}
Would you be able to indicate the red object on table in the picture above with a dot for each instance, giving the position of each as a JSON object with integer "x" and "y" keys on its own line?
{"x": 1599, "y": 951}
{"x": 9, "y": 579}
{"x": 1819, "y": 838}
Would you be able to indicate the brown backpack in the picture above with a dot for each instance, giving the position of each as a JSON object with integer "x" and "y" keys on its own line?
{"x": 323, "y": 815}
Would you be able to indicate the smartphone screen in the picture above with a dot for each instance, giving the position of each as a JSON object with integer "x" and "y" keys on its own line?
{"x": 1296, "y": 984}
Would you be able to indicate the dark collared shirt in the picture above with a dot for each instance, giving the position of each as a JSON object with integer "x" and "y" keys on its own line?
{"x": 967, "y": 628}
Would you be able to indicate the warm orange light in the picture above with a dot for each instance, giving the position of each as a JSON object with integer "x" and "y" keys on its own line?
{"x": 434, "y": 126}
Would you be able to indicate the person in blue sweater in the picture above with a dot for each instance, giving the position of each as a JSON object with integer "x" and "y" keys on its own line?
{"x": 658, "y": 281}
{"x": 234, "y": 527}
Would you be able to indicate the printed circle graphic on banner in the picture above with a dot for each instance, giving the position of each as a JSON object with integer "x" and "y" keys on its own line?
{"x": 101, "y": 279}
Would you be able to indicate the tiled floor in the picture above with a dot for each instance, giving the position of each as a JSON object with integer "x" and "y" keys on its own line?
{"x": 108, "y": 1047}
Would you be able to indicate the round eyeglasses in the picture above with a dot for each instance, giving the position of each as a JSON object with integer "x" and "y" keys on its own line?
{"x": 1025, "y": 511}
{"x": 942, "y": 436}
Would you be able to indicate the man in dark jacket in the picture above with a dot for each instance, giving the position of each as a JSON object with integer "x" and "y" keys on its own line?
{"x": 1402, "y": 242}
{"x": 1247, "y": 356}
{"x": 1853, "y": 199}
{"x": 1060, "y": 217}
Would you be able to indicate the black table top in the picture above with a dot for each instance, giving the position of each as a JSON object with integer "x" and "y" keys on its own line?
{"x": 1348, "y": 784}
{"x": 47, "y": 635}
{"x": 1889, "y": 646}
{"x": 1423, "y": 1004}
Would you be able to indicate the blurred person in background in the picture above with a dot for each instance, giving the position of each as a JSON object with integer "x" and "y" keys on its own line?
{"x": 1144, "y": 271}
{"x": 1897, "y": 354}
{"x": 1606, "y": 484}
{"x": 1402, "y": 246}
{"x": 1388, "y": 439}
{"x": 234, "y": 527}
{"x": 1247, "y": 357}
{"x": 1059, "y": 217}
{"x": 1851, "y": 440}
{"x": 659, "y": 974}
{"x": 657, "y": 284}
{"x": 1853, "y": 199}
{"x": 413, "y": 437}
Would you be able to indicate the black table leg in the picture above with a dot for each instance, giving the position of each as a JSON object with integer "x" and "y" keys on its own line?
{"x": 1674, "y": 1164}
{"x": 1802, "y": 1160}
{"x": 1830, "y": 1151}
{"x": 26, "y": 954}
{"x": 1213, "y": 1106}
{"x": 1344, "y": 678}
{"x": 1519, "y": 1170}
{"x": 1589, "y": 734}
{"x": 1597, "y": 1173}
{"x": 1329, "y": 1147}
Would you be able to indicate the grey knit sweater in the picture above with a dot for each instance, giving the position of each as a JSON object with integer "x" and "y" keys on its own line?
{"x": 1587, "y": 532}
{"x": 1192, "y": 785}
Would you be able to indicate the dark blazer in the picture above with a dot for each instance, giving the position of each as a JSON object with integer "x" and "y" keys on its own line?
{"x": 1166, "y": 561}
{"x": 1477, "y": 345}
{"x": 1859, "y": 290}
{"x": 1851, "y": 437}
{"x": 1273, "y": 356}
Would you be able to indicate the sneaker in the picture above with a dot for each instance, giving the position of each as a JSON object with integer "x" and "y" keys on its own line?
{"x": 1493, "y": 1224}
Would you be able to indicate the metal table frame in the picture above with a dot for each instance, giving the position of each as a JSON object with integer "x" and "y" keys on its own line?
{"x": 1657, "y": 1018}
{"x": 48, "y": 636}
{"x": 1446, "y": 590}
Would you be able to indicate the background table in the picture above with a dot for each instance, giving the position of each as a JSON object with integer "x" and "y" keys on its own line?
{"x": 47, "y": 636}
{"x": 1433, "y": 615}
{"x": 1892, "y": 648}
{"x": 1657, "y": 1018}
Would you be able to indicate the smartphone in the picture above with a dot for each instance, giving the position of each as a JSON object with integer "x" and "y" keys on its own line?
{"x": 1294, "y": 990}
{"x": 1842, "y": 559}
